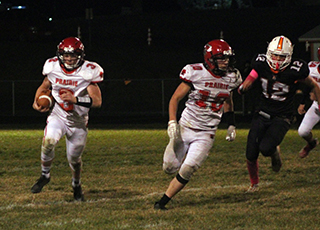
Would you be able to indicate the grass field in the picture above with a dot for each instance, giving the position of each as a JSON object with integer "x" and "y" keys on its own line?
{"x": 122, "y": 178}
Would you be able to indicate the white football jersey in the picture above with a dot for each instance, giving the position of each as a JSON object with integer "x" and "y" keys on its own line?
{"x": 314, "y": 71}
{"x": 204, "y": 107}
{"x": 76, "y": 82}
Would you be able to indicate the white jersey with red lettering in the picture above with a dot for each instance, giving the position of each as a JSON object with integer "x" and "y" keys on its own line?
{"x": 204, "y": 107}
{"x": 314, "y": 71}
{"x": 314, "y": 67}
{"x": 77, "y": 83}
{"x": 312, "y": 117}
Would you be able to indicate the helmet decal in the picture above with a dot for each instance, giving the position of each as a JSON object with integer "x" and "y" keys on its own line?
{"x": 280, "y": 43}
{"x": 279, "y": 53}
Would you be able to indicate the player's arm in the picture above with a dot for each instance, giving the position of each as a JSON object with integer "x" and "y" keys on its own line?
{"x": 305, "y": 92}
{"x": 45, "y": 85}
{"x": 95, "y": 94}
{"x": 177, "y": 96}
{"x": 181, "y": 91}
{"x": 246, "y": 85}
{"x": 228, "y": 113}
{"x": 309, "y": 81}
{"x": 94, "y": 100}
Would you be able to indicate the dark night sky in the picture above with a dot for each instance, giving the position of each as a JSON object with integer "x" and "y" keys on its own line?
{"x": 69, "y": 9}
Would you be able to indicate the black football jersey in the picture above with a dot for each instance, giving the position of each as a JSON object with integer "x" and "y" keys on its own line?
{"x": 278, "y": 90}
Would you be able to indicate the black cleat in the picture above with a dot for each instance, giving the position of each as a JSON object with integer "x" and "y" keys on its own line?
{"x": 276, "y": 160}
{"x": 42, "y": 181}
{"x": 77, "y": 193}
{"x": 157, "y": 206}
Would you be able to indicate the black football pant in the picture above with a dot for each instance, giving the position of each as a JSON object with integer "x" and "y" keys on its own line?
{"x": 265, "y": 135}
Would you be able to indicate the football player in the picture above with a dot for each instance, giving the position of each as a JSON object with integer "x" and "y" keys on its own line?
{"x": 73, "y": 81}
{"x": 312, "y": 117}
{"x": 278, "y": 74}
{"x": 209, "y": 88}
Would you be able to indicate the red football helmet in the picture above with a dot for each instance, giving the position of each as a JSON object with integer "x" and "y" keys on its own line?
{"x": 71, "y": 45}
{"x": 218, "y": 49}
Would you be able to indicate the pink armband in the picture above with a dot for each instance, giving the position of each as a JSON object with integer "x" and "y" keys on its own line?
{"x": 253, "y": 75}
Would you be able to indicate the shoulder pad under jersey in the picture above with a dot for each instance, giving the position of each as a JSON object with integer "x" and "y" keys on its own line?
{"x": 49, "y": 64}
{"x": 188, "y": 72}
{"x": 91, "y": 71}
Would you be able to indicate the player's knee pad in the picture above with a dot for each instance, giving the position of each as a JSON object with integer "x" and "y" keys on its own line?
{"x": 186, "y": 171}
{"x": 181, "y": 180}
{"x": 303, "y": 132}
{"x": 267, "y": 150}
{"x": 74, "y": 154}
{"x": 251, "y": 158}
{"x": 74, "y": 159}
{"x": 47, "y": 148}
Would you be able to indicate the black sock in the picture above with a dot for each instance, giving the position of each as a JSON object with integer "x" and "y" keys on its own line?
{"x": 164, "y": 200}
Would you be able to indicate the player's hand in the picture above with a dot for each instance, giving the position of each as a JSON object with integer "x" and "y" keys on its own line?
{"x": 240, "y": 89}
{"x": 301, "y": 109}
{"x": 39, "y": 108}
{"x": 231, "y": 133}
{"x": 173, "y": 130}
{"x": 67, "y": 96}
{"x": 312, "y": 96}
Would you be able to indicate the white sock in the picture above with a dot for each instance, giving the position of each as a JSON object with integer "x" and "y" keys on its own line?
{"x": 46, "y": 174}
{"x": 75, "y": 183}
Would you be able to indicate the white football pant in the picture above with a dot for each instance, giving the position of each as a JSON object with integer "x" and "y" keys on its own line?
{"x": 75, "y": 139}
{"x": 192, "y": 149}
{"x": 311, "y": 118}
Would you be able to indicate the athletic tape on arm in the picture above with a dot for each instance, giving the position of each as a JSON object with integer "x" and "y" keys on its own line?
{"x": 84, "y": 101}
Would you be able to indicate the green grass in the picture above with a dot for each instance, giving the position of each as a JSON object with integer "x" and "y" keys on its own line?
{"x": 122, "y": 178}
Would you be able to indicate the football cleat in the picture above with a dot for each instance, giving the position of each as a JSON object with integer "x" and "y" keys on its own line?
{"x": 276, "y": 160}
{"x": 306, "y": 149}
{"x": 42, "y": 181}
{"x": 253, "y": 188}
{"x": 157, "y": 206}
{"x": 77, "y": 193}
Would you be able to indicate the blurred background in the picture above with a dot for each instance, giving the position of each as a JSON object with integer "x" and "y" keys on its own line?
{"x": 142, "y": 46}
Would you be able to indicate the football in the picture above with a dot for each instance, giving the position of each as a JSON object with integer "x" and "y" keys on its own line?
{"x": 45, "y": 99}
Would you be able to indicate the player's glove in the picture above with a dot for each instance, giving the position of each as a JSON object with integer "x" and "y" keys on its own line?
{"x": 173, "y": 130}
{"x": 231, "y": 133}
